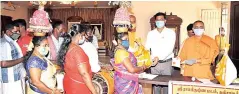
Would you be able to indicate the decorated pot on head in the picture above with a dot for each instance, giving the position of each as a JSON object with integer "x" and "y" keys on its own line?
{"x": 122, "y": 20}
{"x": 40, "y": 21}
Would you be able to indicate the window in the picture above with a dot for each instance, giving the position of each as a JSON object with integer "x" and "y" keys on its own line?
{"x": 224, "y": 19}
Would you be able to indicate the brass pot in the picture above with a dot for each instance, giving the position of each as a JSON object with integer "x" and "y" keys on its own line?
{"x": 121, "y": 29}
{"x": 39, "y": 33}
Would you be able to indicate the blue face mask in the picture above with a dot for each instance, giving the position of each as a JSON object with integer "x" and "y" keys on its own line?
{"x": 160, "y": 24}
{"x": 125, "y": 43}
{"x": 43, "y": 51}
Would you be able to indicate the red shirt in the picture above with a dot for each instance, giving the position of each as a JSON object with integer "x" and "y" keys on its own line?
{"x": 23, "y": 42}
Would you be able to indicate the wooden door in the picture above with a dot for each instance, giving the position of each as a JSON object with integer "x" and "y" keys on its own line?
{"x": 234, "y": 34}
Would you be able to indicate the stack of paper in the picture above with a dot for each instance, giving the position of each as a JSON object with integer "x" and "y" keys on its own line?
{"x": 147, "y": 76}
{"x": 176, "y": 62}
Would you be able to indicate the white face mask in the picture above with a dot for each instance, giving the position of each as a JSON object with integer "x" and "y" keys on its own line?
{"x": 82, "y": 41}
{"x": 160, "y": 24}
{"x": 198, "y": 32}
{"x": 223, "y": 33}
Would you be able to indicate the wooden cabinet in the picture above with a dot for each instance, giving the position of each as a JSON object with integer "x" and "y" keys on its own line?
{"x": 173, "y": 22}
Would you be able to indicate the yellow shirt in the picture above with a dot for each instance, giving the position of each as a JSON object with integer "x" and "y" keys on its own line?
{"x": 224, "y": 44}
{"x": 120, "y": 55}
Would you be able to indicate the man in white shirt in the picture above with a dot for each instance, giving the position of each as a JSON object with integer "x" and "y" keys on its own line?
{"x": 90, "y": 37}
{"x": 95, "y": 42}
{"x": 11, "y": 55}
{"x": 160, "y": 42}
{"x": 92, "y": 53}
{"x": 55, "y": 40}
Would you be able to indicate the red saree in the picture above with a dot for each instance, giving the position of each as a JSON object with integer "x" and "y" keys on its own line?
{"x": 73, "y": 82}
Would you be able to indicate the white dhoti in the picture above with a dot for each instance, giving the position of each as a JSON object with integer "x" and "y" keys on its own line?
{"x": 17, "y": 87}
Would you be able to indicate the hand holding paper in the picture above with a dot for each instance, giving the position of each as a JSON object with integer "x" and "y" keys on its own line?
{"x": 190, "y": 61}
{"x": 176, "y": 62}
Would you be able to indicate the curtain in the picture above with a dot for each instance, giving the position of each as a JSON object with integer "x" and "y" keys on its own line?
{"x": 104, "y": 14}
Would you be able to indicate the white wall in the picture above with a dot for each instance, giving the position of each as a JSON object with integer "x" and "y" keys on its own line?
{"x": 189, "y": 11}
{"x": 21, "y": 12}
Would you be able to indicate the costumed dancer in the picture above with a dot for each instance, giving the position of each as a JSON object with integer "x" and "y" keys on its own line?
{"x": 39, "y": 69}
{"x": 125, "y": 63}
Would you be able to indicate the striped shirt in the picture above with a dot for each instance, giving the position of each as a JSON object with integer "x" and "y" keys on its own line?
{"x": 10, "y": 50}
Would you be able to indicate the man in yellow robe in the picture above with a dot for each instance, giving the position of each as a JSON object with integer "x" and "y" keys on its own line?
{"x": 222, "y": 43}
{"x": 198, "y": 52}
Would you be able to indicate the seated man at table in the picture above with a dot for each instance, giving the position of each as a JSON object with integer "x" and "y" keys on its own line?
{"x": 198, "y": 52}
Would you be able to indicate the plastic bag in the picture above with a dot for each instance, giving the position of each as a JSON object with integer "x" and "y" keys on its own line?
{"x": 226, "y": 71}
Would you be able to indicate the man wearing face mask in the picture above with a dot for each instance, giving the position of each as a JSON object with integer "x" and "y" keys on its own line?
{"x": 222, "y": 43}
{"x": 55, "y": 40}
{"x": 161, "y": 42}
{"x": 198, "y": 52}
{"x": 90, "y": 37}
{"x": 91, "y": 52}
{"x": 25, "y": 38}
{"x": 190, "y": 34}
{"x": 12, "y": 77}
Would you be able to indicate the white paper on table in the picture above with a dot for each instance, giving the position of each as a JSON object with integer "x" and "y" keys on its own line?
{"x": 176, "y": 62}
{"x": 147, "y": 76}
{"x": 205, "y": 81}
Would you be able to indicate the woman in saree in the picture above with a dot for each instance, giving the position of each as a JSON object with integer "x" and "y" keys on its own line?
{"x": 39, "y": 69}
{"x": 126, "y": 71}
{"x": 74, "y": 61}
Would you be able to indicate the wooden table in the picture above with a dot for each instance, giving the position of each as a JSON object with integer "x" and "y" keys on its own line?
{"x": 159, "y": 80}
